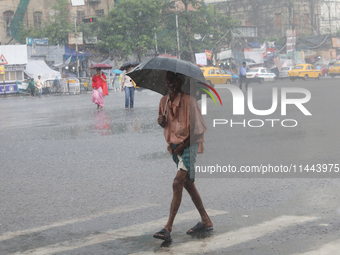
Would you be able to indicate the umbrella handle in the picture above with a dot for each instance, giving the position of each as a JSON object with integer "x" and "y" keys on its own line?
{"x": 166, "y": 103}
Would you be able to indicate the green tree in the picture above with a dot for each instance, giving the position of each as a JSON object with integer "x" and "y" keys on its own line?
{"x": 129, "y": 28}
{"x": 190, "y": 22}
{"x": 194, "y": 18}
{"x": 56, "y": 30}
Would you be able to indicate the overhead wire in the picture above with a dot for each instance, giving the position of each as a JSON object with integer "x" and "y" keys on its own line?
{"x": 314, "y": 46}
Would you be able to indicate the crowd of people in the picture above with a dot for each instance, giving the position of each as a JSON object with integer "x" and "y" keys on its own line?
{"x": 99, "y": 85}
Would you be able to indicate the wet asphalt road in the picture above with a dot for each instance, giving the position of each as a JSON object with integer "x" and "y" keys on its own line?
{"x": 74, "y": 180}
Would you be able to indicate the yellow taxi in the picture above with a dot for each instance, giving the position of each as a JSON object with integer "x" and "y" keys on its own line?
{"x": 304, "y": 71}
{"x": 335, "y": 70}
{"x": 214, "y": 75}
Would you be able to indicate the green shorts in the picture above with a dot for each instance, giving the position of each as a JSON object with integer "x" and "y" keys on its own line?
{"x": 188, "y": 157}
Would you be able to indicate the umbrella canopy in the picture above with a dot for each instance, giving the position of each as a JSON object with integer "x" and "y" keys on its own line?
{"x": 117, "y": 71}
{"x": 151, "y": 75}
{"x": 101, "y": 66}
{"x": 128, "y": 64}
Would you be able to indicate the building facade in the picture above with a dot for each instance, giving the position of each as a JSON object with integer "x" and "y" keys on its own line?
{"x": 35, "y": 12}
{"x": 330, "y": 16}
{"x": 274, "y": 17}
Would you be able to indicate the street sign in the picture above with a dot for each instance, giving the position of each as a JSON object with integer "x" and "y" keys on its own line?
{"x": 3, "y": 61}
{"x": 29, "y": 41}
{"x": 90, "y": 40}
{"x": 37, "y": 41}
{"x": 75, "y": 38}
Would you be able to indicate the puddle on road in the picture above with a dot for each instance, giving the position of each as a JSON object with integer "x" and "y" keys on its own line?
{"x": 76, "y": 124}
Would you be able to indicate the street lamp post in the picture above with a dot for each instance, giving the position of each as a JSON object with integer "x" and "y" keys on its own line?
{"x": 76, "y": 37}
{"x": 179, "y": 55}
{"x": 156, "y": 42}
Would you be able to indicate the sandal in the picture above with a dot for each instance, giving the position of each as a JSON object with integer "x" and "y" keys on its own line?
{"x": 199, "y": 227}
{"x": 163, "y": 235}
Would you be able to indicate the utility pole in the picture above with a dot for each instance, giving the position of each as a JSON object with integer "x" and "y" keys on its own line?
{"x": 76, "y": 37}
{"x": 156, "y": 42}
{"x": 330, "y": 17}
{"x": 329, "y": 14}
{"x": 179, "y": 54}
{"x": 2, "y": 71}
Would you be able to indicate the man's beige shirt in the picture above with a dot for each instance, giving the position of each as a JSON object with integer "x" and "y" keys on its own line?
{"x": 181, "y": 115}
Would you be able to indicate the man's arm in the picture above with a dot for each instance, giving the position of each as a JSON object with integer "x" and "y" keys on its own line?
{"x": 161, "y": 121}
{"x": 180, "y": 148}
{"x": 161, "y": 117}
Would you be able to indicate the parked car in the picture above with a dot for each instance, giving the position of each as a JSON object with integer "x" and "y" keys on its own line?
{"x": 304, "y": 71}
{"x": 325, "y": 70}
{"x": 260, "y": 75}
{"x": 235, "y": 77}
{"x": 284, "y": 71}
{"x": 335, "y": 70}
{"x": 214, "y": 75}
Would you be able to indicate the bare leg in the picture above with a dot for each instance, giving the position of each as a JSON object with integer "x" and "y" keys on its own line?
{"x": 177, "y": 187}
{"x": 196, "y": 198}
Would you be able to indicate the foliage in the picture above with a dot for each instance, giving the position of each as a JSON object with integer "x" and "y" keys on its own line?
{"x": 129, "y": 27}
{"x": 56, "y": 30}
{"x": 194, "y": 18}
{"x": 26, "y": 32}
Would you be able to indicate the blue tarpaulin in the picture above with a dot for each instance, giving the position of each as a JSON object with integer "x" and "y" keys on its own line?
{"x": 82, "y": 55}
{"x": 255, "y": 44}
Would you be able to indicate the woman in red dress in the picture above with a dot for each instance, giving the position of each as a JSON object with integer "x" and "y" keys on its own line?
{"x": 98, "y": 85}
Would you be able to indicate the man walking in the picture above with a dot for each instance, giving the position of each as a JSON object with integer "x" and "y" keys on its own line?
{"x": 39, "y": 85}
{"x": 243, "y": 71}
{"x": 184, "y": 129}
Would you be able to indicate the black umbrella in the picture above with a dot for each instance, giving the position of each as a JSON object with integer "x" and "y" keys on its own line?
{"x": 151, "y": 75}
{"x": 128, "y": 64}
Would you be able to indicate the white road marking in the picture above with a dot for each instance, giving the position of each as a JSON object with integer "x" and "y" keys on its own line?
{"x": 130, "y": 231}
{"x": 236, "y": 237}
{"x": 328, "y": 249}
{"x": 123, "y": 209}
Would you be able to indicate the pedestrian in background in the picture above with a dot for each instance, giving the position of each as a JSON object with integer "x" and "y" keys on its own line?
{"x": 31, "y": 87}
{"x": 243, "y": 77}
{"x": 56, "y": 84}
{"x": 39, "y": 85}
{"x": 98, "y": 81}
{"x": 128, "y": 86}
{"x": 116, "y": 83}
